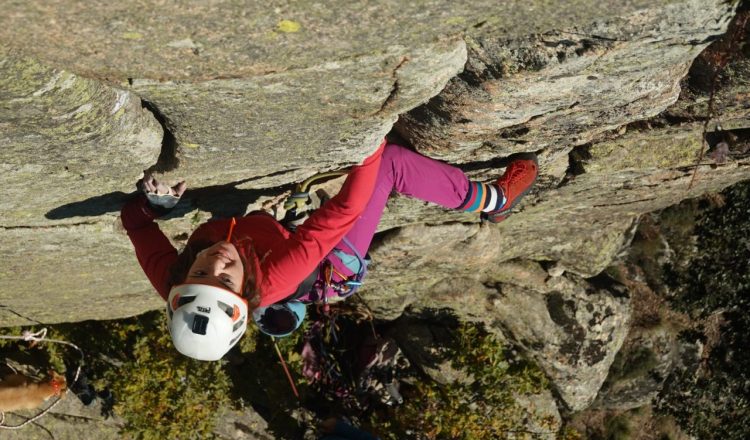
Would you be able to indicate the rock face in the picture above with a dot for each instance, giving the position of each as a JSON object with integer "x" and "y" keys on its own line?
{"x": 60, "y": 133}
{"x": 649, "y": 359}
{"x": 426, "y": 343}
{"x": 69, "y": 419}
{"x": 545, "y": 91}
{"x": 574, "y": 329}
{"x": 245, "y": 100}
{"x": 571, "y": 327}
{"x": 67, "y": 139}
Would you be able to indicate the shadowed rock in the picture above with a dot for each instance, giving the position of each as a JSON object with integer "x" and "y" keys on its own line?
{"x": 254, "y": 99}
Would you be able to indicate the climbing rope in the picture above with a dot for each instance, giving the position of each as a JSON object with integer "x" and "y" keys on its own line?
{"x": 35, "y": 338}
{"x": 286, "y": 370}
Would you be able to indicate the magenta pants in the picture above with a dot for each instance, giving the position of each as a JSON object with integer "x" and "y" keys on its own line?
{"x": 413, "y": 175}
{"x": 407, "y": 173}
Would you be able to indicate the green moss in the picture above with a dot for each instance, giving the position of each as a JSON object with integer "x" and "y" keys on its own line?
{"x": 159, "y": 392}
{"x": 632, "y": 364}
{"x": 485, "y": 408}
{"x": 617, "y": 428}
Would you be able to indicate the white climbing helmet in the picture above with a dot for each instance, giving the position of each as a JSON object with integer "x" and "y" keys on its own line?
{"x": 205, "y": 321}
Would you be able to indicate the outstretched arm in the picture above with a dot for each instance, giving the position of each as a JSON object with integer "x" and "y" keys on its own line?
{"x": 153, "y": 249}
{"x": 315, "y": 238}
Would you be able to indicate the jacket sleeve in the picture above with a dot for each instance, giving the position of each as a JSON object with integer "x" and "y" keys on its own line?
{"x": 296, "y": 257}
{"x": 153, "y": 249}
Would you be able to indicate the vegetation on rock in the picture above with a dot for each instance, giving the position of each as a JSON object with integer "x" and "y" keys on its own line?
{"x": 712, "y": 399}
{"x": 162, "y": 394}
{"x": 484, "y": 407}
{"x": 158, "y": 392}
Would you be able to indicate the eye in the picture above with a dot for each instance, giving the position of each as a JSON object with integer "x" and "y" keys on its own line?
{"x": 227, "y": 280}
{"x": 199, "y": 273}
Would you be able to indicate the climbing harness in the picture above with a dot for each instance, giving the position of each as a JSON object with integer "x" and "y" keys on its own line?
{"x": 326, "y": 281}
{"x": 34, "y": 338}
{"x": 342, "y": 286}
{"x": 321, "y": 365}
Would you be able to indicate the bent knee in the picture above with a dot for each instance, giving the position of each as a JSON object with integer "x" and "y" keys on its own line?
{"x": 393, "y": 152}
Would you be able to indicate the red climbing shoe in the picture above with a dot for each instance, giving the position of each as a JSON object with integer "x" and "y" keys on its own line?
{"x": 517, "y": 180}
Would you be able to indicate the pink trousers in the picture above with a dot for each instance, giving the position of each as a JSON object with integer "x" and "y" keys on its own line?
{"x": 405, "y": 172}
{"x": 410, "y": 174}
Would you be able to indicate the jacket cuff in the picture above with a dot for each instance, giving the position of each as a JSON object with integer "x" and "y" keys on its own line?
{"x": 138, "y": 212}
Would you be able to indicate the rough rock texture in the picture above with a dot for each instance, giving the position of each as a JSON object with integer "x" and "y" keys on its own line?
{"x": 424, "y": 343}
{"x": 547, "y": 94}
{"x": 545, "y": 91}
{"x": 227, "y": 91}
{"x": 255, "y": 97}
{"x": 66, "y": 138}
{"x": 452, "y": 266}
{"x": 242, "y": 425}
{"x": 571, "y": 327}
{"x": 574, "y": 329}
{"x": 320, "y": 117}
{"x": 544, "y": 419}
{"x": 644, "y": 363}
{"x": 69, "y": 419}
{"x": 239, "y": 83}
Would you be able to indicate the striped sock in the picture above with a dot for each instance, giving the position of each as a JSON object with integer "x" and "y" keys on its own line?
{"x": 483, "y": 197}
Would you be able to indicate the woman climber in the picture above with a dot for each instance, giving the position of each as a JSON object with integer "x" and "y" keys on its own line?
{"x": 234, "y": 267}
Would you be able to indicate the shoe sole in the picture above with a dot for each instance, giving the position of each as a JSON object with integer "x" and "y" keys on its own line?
{"x": 506, "y": 212}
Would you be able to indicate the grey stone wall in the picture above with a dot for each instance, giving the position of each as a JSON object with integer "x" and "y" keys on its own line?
{"x": 244, "y": 100}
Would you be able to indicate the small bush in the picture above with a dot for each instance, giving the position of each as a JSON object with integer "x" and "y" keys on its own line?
{"x": 159, "y": 392}
{"x": 617, "y": 428}
{"x": 163, "y": 394}
{"x": 483, "y": 409}
{"x": 712, "y": 400}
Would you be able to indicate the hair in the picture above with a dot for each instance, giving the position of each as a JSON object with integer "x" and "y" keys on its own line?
{"x": 250, "y": 263}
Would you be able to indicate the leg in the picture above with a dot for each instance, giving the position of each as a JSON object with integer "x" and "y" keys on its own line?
{"x": 411, "y": 174}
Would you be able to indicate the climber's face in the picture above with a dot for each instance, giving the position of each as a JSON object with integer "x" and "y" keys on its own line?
{"x": 219, "y": 265}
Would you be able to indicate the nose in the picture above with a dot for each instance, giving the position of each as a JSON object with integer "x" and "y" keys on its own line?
{"x": 217, "y": 265}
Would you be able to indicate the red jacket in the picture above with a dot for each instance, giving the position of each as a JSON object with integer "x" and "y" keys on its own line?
{"x": 286, "y": 258}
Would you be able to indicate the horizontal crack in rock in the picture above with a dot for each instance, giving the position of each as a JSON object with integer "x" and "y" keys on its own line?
{"x": 66, "y": 225}
{"x": 625, "y": 203}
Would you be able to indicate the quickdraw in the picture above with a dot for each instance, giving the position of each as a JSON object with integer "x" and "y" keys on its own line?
{"x": 296, "y": 206}
{"x": 300, "y": 197}
{"x": 345, "y": 364}
{"x": 321, "y": 366}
